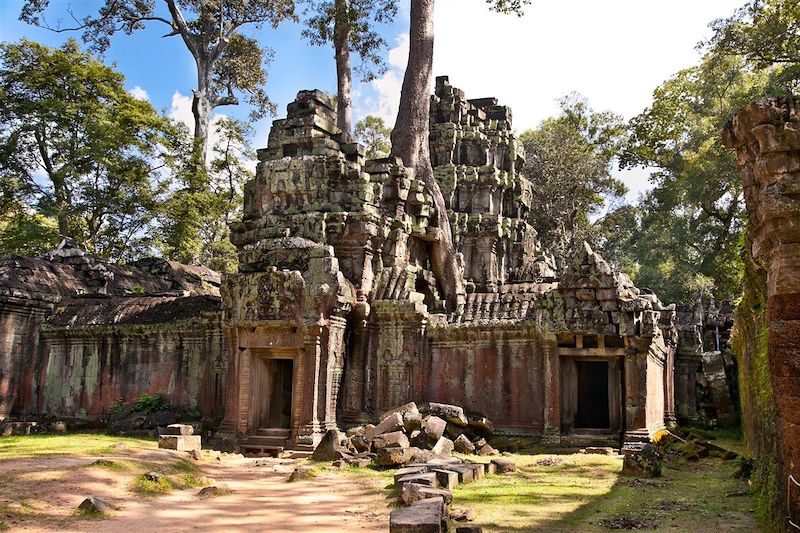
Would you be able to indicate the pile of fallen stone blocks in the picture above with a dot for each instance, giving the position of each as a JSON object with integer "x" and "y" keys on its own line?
{"x": 420, "y": 442}
{"x": 410, "y": 434}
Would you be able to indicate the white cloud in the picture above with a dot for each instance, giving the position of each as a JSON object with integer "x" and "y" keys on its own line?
{"x": 181, "y": 110}
{"x": 386, "y": 88}
{"x": 139, "y": 93}
{"x": 614, "y": 53}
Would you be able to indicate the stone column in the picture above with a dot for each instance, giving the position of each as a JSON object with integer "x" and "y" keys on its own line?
{"x": 766, "y": 136}
{"x": 552, "y": 390}
{"x": 310, "y": 431}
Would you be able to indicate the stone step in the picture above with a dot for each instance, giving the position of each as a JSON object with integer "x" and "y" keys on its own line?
{"x": 259, "y": 440}
{"x": 273, "y": 451}
{"x": 274, "y": 432}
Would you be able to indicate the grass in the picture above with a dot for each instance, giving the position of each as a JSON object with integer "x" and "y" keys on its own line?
{"x": 69, "y": 444}
{"x": 582, "y": 492}
{"x": 181, "y": 475}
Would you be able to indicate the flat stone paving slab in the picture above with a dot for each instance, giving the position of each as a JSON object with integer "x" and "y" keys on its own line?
{"x": 426, "y": 518}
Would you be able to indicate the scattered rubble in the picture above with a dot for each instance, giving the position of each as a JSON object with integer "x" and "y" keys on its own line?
{"x": 96, "y": 505}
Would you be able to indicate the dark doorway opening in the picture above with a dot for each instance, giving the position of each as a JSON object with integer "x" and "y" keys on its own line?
{"x": 279, "y": 406}
{"x": 593, "y": 410}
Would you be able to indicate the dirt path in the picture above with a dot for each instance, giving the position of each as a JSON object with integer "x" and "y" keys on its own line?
{"x": 40, "y": 494}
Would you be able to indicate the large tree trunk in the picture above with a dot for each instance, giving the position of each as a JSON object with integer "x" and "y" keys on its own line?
{"x": 341, "y": 44}
{"x": 410, "y": 138}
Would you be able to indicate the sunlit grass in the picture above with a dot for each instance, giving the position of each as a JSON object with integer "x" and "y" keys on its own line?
{"x": 69, "y": 444}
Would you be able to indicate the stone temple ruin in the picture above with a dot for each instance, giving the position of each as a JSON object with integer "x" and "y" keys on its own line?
{"x": 336, "y": 316}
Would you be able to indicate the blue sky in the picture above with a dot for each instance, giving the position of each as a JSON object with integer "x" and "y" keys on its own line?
{"x": 614, "y": 52}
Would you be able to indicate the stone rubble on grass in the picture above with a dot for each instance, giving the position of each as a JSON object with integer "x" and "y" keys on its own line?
{"x": 419, "y": 443}
{"x": 179, "y": 437}
{"x": 95, "y": 505}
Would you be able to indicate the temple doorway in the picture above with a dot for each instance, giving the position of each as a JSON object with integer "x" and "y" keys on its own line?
{"x": 592, "y": 411}
{"x": 276, "y": 393}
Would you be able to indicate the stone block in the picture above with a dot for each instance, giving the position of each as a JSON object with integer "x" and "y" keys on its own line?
{"x": 409, "y": 470}
{"x": 329, "y": 448}
{"x": 425, "y": 517}
{"x": 487, "y": 449}
{"x": 469, "y": 529}
{"x": 443, "y": 446}
{"x": 358, "y": 462}
{"x": 465, "y": 473}
{"x": 504, "y": 466}
{"x": 395, "y": 439}
{"x": 463, "y": 445}
{"x": 434, "y": 427}
{"x": 178, "y": 429}
{"x": 182, "y": 443}
{"x": 478, "y": 470}
{"x": 446, "y": 479}
{"x": 394, "y": 456}
{"x": 421, "y": 478}
{"x": 393, "y": 422}
{"x": 412, "y": 492}
{"x": 451, "y": 413}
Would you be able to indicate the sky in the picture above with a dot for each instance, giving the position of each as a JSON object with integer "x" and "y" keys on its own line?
{"x": 614, "y": 53}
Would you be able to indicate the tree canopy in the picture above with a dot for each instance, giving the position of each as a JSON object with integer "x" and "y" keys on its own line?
{"x": 78, "y": 148}
{"x": 569, "y": 161}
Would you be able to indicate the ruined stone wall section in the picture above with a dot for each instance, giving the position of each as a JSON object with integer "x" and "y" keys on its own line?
{"x": 81, "y": 372}
{"x": 766, "y": 137}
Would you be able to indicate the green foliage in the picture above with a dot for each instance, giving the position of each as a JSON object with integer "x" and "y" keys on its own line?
{"x": 359, "y": 17}
{"x": 116, "y": 406}
{"x": 24, "y": 233}
{"x": 196, "y": 226}
{"x": 78, "y": 149}
{"x": 765, "y": 33}
{"x": 373, "y": 133}
{"x": 569, "y": 160}
{"x": 690, "y": 222}
{"x": 148, "y": 403}
{"x": 508, "y": 6}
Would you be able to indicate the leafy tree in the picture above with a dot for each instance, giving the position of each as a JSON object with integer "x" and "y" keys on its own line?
{"x": 348, "y": 24}
{"x": 692, "y": 218}
{"x": 411, "y": 130}
{"x": 228, "y": 63}
{"x": 569, "y": 162}
{"x": 76, "y": 146}
{"x": 195, "y": 226}
{"x": 25, "y": 233}
{"x": 374, "y": 134}
{"x": 766, "y": 33}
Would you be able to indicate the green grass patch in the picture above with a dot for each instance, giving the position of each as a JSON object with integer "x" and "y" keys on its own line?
{"x": 70, "y": 444}
{"x": 106, "y": 464}
{"x": 147, "y": 487}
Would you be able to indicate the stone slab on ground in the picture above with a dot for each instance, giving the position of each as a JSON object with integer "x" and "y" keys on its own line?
{"x": 504, "y": 466}
{"x": 478, "y": 469}
{"x": 409, "y": 470}
{"x": 421, "y": 518}
{"x": 463, "y": 445}
{"x": 181, "y": 443}
{"x": 465, "y": 473}
{"x": 447, "y": 479}
{"x": 412, "y": 492}
{"x": 394, "y": 456}
{"x": 421, "y": 478}
{"x": 329, "y": 448}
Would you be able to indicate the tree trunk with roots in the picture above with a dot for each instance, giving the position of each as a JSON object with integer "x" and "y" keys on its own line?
{"x": 341, "y": 44}
{"x": 410, "y": 139}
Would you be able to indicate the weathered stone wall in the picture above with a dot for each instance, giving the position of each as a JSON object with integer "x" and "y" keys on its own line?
{"x": 80, "y": 373}
{"x": 77, "y": 334}
{"x": 20, "y": 321}
{"x": 495, "y": 370}
{"x": 766, "y": 136}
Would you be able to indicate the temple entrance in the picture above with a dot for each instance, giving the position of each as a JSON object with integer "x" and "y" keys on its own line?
{"x": 592, "y": 411}
{"x": 276, "y": 393}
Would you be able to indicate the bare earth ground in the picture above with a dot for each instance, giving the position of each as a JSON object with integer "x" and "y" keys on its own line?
{"x": 41, "y": 494}
{"x": 44, "y": 478}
